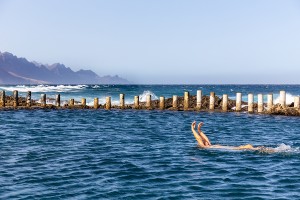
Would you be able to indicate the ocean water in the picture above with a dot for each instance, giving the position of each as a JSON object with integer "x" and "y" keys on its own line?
{"x": 141, "y": 154}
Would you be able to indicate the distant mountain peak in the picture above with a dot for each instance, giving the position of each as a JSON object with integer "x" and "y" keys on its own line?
{"x": 14, "y": 70}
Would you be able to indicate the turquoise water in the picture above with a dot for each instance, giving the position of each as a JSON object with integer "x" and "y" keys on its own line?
{"x": 130, "y": 154}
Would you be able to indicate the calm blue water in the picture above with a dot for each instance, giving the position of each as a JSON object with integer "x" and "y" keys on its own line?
{"x": 135, "y": 154}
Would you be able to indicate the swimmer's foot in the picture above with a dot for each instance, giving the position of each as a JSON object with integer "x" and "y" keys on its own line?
{"x": 199, "y": 126}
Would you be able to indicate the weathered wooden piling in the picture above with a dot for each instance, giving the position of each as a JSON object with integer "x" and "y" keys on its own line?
{"x": 108, "y": 103}
{"x": 161, "y": 103}
{"x": 136, "y": 102}
{"x": 186, "y": 101}
{"x": 250, "y": 103}
{"x": 238, "y": 102}
{"x": 175, "y": 102}
{"x": 96, "y": 103}
{"x": 16, "y": 98}
{"x": 297, "y": 102}
{"x": 270, "y": 101}
{"x": 260, "y": 103}
{"x": 122, "y": 101}
{"x": 83, "y": 102}
{"x": 212, "y": 101}
{"x": 225, "y": 102}
{"x": 282, "y": 98}
{"x": 71, "y": 103}
{"x": 43, "y": 100}
{"x": 28, "y": 99}
{"x": 2, "y": 98}
{"x": 199, "y": 99}
{"x": 148, "y": 101}
{"x": 57, "y": 100}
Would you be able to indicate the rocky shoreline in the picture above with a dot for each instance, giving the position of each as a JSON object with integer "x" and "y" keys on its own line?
{"x": 276, "y": 109}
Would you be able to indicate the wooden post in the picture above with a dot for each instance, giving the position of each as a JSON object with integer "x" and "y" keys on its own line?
{"x": 83, "y": 102}
{"x": 199, "y": 99}
{"x": 2, "y": 98}
{"x": 28, "y": 99}
{"x": 71, "y": 103}
{"x": 122, "y": 101}
{"x": 282, "y": 98}
{"x": 162, "y": 103}
{"x": 270, "y": 101}
{"x": 297, "y": 102}
{"x": 186, "y": 101}
{"x": 175, "y": 101}
{"x": 43, "y": 100}
{"x": 16, "y": 98}
{"x": 108, "y": 103}
{"x": 148, "y": 101}
{"x": 238, "y": 102}
{"x": 96, "y": 103}
{"x": 57, "y": 100}
{"x": 225, "y": 102}
{"x": 212, "y": 101}
{"x": 260, "y": 103}
{"x": 136, "y": 102}
{"x": 250, "y": 103}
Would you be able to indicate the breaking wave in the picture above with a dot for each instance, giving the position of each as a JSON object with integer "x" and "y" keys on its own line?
{"x": 145, "y": 94}
{"x": 289, "y": 99}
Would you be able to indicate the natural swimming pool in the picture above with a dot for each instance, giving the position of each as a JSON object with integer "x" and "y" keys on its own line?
{"x": 136, "y": 154}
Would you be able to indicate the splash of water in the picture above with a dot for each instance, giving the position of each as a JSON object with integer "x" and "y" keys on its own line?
{"x": 144, "y": 96}
{"x": 282, "y": 148}
{"x": 289, "y": 99}
{"x": 286, "y": 148}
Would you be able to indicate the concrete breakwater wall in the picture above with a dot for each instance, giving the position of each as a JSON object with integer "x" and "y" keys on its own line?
{"x": 187, "y": 102}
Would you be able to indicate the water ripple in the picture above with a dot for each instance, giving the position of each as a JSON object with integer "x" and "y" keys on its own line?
{"x": 145, "y": 154}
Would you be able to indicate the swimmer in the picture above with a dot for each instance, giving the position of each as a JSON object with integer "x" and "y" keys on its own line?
{"x": 204, "y": 142}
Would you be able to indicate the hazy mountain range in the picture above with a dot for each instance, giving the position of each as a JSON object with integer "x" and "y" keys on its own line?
{"x": 14, "y": 70}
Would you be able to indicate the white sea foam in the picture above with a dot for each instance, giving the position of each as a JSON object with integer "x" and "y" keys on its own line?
{"x": 90, "y": 103}
{"x": 53, "y": 102}
{"x": 286, "y": 148}
{"x": 96, "y": 86}
{"x": 289, "y": 99}
{"x": 282, "y": 148}
{"x": 144, "y": 96}
{"x": 44, "y": 88}
{"x": 101, "y": 100}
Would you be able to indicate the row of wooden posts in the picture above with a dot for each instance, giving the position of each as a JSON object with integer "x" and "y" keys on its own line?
{"x": 186, "y": 102}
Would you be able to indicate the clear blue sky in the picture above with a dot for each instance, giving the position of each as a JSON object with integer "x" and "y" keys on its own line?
{"x": 160, "y": 41}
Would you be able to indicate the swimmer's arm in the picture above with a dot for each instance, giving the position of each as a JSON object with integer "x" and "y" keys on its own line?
{"x": 198, "y": 138}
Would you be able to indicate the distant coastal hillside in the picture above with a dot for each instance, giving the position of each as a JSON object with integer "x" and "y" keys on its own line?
{"x": 14, "y": 70}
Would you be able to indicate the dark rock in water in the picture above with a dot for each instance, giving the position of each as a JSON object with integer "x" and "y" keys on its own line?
{"x": 280, "y": 110}
{"x": 9, "y": 101}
